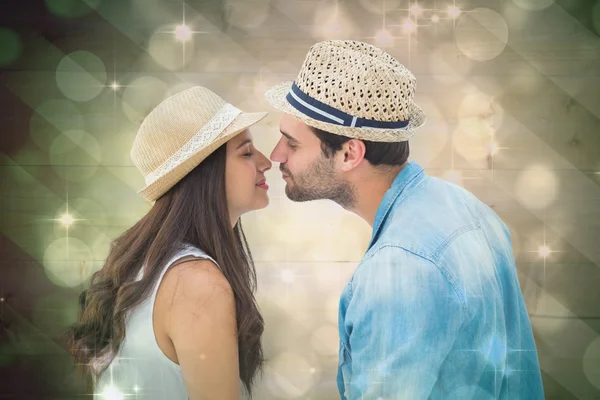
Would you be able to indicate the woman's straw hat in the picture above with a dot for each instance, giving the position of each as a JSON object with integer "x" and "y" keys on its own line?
{"x": 181, "y": 132}
{"x": 352, "y": 89}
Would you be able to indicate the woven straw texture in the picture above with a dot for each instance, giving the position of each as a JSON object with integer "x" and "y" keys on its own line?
{"x": 358, "y": 79}
{"x": 181, "y": 132}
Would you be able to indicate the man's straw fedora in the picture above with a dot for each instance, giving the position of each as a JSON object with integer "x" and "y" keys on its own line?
{"x": 352, "y": 89}
{"x": 181, "y": 132}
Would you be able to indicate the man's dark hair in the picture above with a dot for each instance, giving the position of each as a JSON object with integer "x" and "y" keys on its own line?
{"x": 376, "y": 153}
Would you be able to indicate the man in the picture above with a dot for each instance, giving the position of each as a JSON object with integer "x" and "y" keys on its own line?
{"x": 434, "y": 309}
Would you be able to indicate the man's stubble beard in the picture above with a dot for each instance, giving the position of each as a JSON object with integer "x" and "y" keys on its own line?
{"x": 319, "y": 181}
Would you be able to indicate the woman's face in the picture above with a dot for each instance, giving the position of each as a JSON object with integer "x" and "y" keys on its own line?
{"x": 244, "y": 176}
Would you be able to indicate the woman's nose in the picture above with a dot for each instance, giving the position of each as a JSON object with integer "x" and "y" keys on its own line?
{"x": 266, "y": 164}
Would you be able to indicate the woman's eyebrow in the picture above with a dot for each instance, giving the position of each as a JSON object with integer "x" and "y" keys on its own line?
{"x": 244, "y": 142}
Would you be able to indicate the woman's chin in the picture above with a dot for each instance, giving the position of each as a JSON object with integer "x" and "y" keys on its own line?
{"x": 259, "y": 204}
{"x": 263, "y": 203}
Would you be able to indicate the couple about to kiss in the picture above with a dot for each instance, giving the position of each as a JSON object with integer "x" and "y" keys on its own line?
{"x": 434, "y": 309}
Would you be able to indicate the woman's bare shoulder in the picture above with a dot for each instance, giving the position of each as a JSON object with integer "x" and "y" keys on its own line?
{"x": 196, "y": 279}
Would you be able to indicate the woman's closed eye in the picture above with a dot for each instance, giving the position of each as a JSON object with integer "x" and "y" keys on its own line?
{"x": 249, "y": 153}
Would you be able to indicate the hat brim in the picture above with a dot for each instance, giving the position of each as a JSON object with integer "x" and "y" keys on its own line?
{"x": 276, "y": 96}
{"x": 159, "y": 187}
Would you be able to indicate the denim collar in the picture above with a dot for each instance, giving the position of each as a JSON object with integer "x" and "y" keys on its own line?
{"x": 412, "y": 171}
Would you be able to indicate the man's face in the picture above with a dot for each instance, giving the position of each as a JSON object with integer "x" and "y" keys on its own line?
{"x": 308, "y": 174}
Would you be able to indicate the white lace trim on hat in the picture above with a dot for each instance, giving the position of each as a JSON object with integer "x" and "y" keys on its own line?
{"x": 206, "y": 135}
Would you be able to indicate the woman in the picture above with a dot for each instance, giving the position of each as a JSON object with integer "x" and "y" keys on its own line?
{"x": 172, "y": 314}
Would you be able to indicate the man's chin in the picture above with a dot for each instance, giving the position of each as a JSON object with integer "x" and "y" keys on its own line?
{"x": 290, "y": 194}
{"x": 294, "y": 195}
{"x": 298, "y": 197}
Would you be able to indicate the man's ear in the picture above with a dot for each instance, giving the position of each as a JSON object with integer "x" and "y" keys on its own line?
{"x": 352, "y": 153}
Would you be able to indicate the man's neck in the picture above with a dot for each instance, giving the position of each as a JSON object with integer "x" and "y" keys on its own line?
{"x": 370, "y": 190}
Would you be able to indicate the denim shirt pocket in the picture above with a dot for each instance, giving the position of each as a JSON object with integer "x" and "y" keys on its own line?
{"x": 345, "y": 369}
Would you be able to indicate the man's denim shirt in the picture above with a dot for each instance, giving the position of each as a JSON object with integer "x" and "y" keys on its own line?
{"x": 434, "y": 310}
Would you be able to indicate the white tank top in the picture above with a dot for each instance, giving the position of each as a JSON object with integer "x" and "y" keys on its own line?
{"x": 141, "y": 370}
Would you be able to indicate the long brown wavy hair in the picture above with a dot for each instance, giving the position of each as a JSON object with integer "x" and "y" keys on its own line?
{"x": 193, "y": 212}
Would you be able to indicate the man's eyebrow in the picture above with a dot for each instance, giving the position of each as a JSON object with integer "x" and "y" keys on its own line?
{"x": 289, "y": 137}
{"x": 244, "y": 142}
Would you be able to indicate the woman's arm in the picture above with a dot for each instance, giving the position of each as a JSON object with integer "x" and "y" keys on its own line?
{"x": 201, "y": 323}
